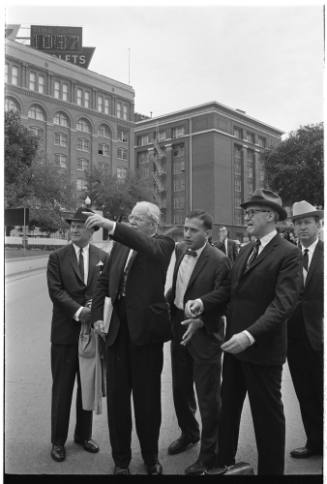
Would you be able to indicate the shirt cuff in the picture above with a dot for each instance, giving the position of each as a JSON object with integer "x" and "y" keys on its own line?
{"x": 112, "y": 231}
{"x": 249, "y": 335}
{"x": 201, "y": 304}
{"x": 78, "y": 312}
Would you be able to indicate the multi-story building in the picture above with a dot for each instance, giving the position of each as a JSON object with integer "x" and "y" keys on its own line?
{"x": 82, "y": 119}
{"x": 208, "y": 156}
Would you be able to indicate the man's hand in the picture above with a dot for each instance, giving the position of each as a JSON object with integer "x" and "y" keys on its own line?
{"x": 237, "y": 343}
{"x": 85, "y": 315}
{"x": 95, "y": 220}
{"x": 193, "y": 308}
{"x": 192, "y": 326}
{"x": 99, "y": 328}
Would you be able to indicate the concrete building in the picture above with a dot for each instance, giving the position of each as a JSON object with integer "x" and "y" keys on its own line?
{"x": 82, "y": 119}
{"x": 208, "y": 157}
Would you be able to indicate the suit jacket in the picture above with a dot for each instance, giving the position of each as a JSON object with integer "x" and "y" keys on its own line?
{"x": 231, "y": 249}
{"x": 311, "y": 301}
{"x": 210, "y": 281}
{"x": 145, "y": 302}
{"x": 263, "y": 298}
{"x": 68, "y": 291}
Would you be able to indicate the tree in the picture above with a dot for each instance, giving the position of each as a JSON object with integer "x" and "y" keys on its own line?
{"x": 294, "y": 168}
{"x": 114, "y": 196}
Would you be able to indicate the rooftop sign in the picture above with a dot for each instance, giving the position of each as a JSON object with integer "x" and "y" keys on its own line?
{"x": 62, "y": 42}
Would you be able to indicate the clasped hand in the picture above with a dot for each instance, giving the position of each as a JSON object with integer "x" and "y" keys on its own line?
{"x": 237, "y": 343}
{"x": 192, "y": 326}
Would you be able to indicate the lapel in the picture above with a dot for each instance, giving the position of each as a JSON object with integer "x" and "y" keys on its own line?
{"x": 117, "y": 263}
{"x": 238, "y": 267}
{"x": 198, "y": 266}
{"x": 314, "y": 262}
{"x": 74, "y": 264}
{"x": 93, "y": 269}
{"x": 266, "y": 251}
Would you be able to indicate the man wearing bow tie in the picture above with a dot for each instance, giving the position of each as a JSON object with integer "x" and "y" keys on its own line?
{"x": 200, "y": 291}
{"x": 264, "y": 290}
{"x": 305, "y": 329}
{"x": 72, "y": 275}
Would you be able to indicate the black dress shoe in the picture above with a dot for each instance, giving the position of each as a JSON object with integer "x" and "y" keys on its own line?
{"x": 121, "y": 471}
{"x": 58, "y": 453}
{"x": 181, "y": 444}
{"x": 304, "y": 453}
{"x": 154, "y": 469}
{"x": 198, "y": 468}
{"x": 89, "y": 445}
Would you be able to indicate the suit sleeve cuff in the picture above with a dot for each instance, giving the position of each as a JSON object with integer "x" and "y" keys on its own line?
{"x": 112, "y": 231}
{"x": 78, "y": 312}
{"x": 249, "y": 335}
{"x": 201, "y": 304}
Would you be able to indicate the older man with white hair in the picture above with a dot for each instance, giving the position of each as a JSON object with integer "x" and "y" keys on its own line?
{"x": 134, "y": 278}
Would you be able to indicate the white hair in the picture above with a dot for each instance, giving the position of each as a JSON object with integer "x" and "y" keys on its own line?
{"x": 151, "y": 210}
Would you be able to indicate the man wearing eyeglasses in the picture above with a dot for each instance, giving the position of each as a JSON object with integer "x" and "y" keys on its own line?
{"x": 134, "y": 278}
{"x": 264, "y": 291}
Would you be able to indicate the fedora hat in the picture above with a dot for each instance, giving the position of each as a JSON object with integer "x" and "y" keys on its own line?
{"x": 266, "y": 198}
{"x": 305, "y": 209}
{"x": 79, "y": 216}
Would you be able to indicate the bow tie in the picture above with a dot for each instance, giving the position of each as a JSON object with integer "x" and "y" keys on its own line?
{"x": 191, "y": 252}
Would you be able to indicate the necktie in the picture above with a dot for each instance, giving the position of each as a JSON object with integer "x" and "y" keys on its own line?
{"x": 253, "y": 254}
{"x": 191, "y": 252}
{"x": 81, "y": 263}
{"x": 305, "y": 259}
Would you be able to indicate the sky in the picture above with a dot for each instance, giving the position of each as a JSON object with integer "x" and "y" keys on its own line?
{"x": 267, "y": 61}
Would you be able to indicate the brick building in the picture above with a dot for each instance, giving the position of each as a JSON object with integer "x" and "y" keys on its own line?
{"x": 82, "y": 119}
{"x": 208, "y": 157}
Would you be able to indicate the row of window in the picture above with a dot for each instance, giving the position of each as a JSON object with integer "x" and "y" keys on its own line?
{"x": 83, "y": 144}
{"x": 82, "y": 164}
{"x": 174, "y": 133}
{"x": 61, "y": 90}
{"x": 249, "y": 137}
{"x": 103, "y": 149}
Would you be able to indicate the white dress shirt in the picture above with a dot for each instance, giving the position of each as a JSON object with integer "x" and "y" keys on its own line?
{"x": 85, "y": 252}
{"x": 311, "y": 250}
{"x": 184, "y": 275}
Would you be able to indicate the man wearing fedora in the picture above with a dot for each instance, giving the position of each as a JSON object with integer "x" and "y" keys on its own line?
{"x": 305, "y": 329}
{"x": 72, "y": 273}
{"x": 264, "y": 289}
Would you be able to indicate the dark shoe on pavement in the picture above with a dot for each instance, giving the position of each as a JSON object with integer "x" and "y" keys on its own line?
{"x": 198, "y": 468}
{"x": 181, "y": 444}
{"x": 89, "y": 445}
{"x": 58, "y": 452}
{"x": 304, "y": 453}
{"x": 154, "y": 469}
{"x": 121, "y": 471}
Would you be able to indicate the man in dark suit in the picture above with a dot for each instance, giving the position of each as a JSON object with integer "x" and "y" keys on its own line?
{"x": 227, "y": 245}
{"x": 305, "y": 329}
{"x": 72, "y": 273}
{"x": 264, "y": 290}
{"x": 134, "y": 278}
{"x": 201, "y": 286}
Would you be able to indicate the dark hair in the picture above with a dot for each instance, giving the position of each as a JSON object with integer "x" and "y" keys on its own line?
{"x": 206, "y": 218}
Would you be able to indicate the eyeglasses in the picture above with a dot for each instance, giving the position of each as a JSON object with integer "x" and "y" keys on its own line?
{"x": 252, "y": 211}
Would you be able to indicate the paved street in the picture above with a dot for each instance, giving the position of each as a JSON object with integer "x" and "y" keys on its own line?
{"x": 27, "y": 400}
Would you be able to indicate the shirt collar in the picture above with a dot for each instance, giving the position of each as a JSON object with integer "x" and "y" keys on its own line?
{"x": 267, "y": 238}
{"x": 77, "y": 249}
{"x": 200, "y": 250}
{"x": 311, "y": 247}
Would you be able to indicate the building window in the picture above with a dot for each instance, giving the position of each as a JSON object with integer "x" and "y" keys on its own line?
{"x": 64, "y": 91}
{"x": 179, "y": 185}
{"x": 14, "y": 76}
{"x": 82, "y": 164}
{"x": 86, "y": 99}
{"x": 32, "y": 81}
{"x": 100, "y": 103}
{"x": 81, "y": 184}
{"x": 83, "y": 125}
{"x": 122, "y": 153}
{"x": 162, "y": 135}
{"x": 118, "y": 108}
{"x": 178, "y": 218}
{"x": 104, "y": 149}
{"x": 121, "y": 173}
{"x": 238, "y": 157}
{"x": 61, "y": 160}
{"x": 250, "y": 137}
{"x": 36, "y": 112}
{"x": 41, "y": 84}
{"x": 238, "y": 132}
{"x": 262, "y": 141}
{"x": 56, "y": 89}
{"x": 179, "y": 202}
{"x": 83, "y": 144}
{"x": 11, "y": 105}
{"x": 178, "y": 131}
{"x": 125, "y": 111}
{"x": 106, "y": 105}
{"x": 61, "y": 139}
{"x": 123, "y": 135}
{"x": 79, "y": 96}
{"x": 250, "y": 155}
{"x": 61, "y": 120}
{"x": 104, "y": 131}
{"x": 143, "y": 140}
{"x": 35, "y": 131}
